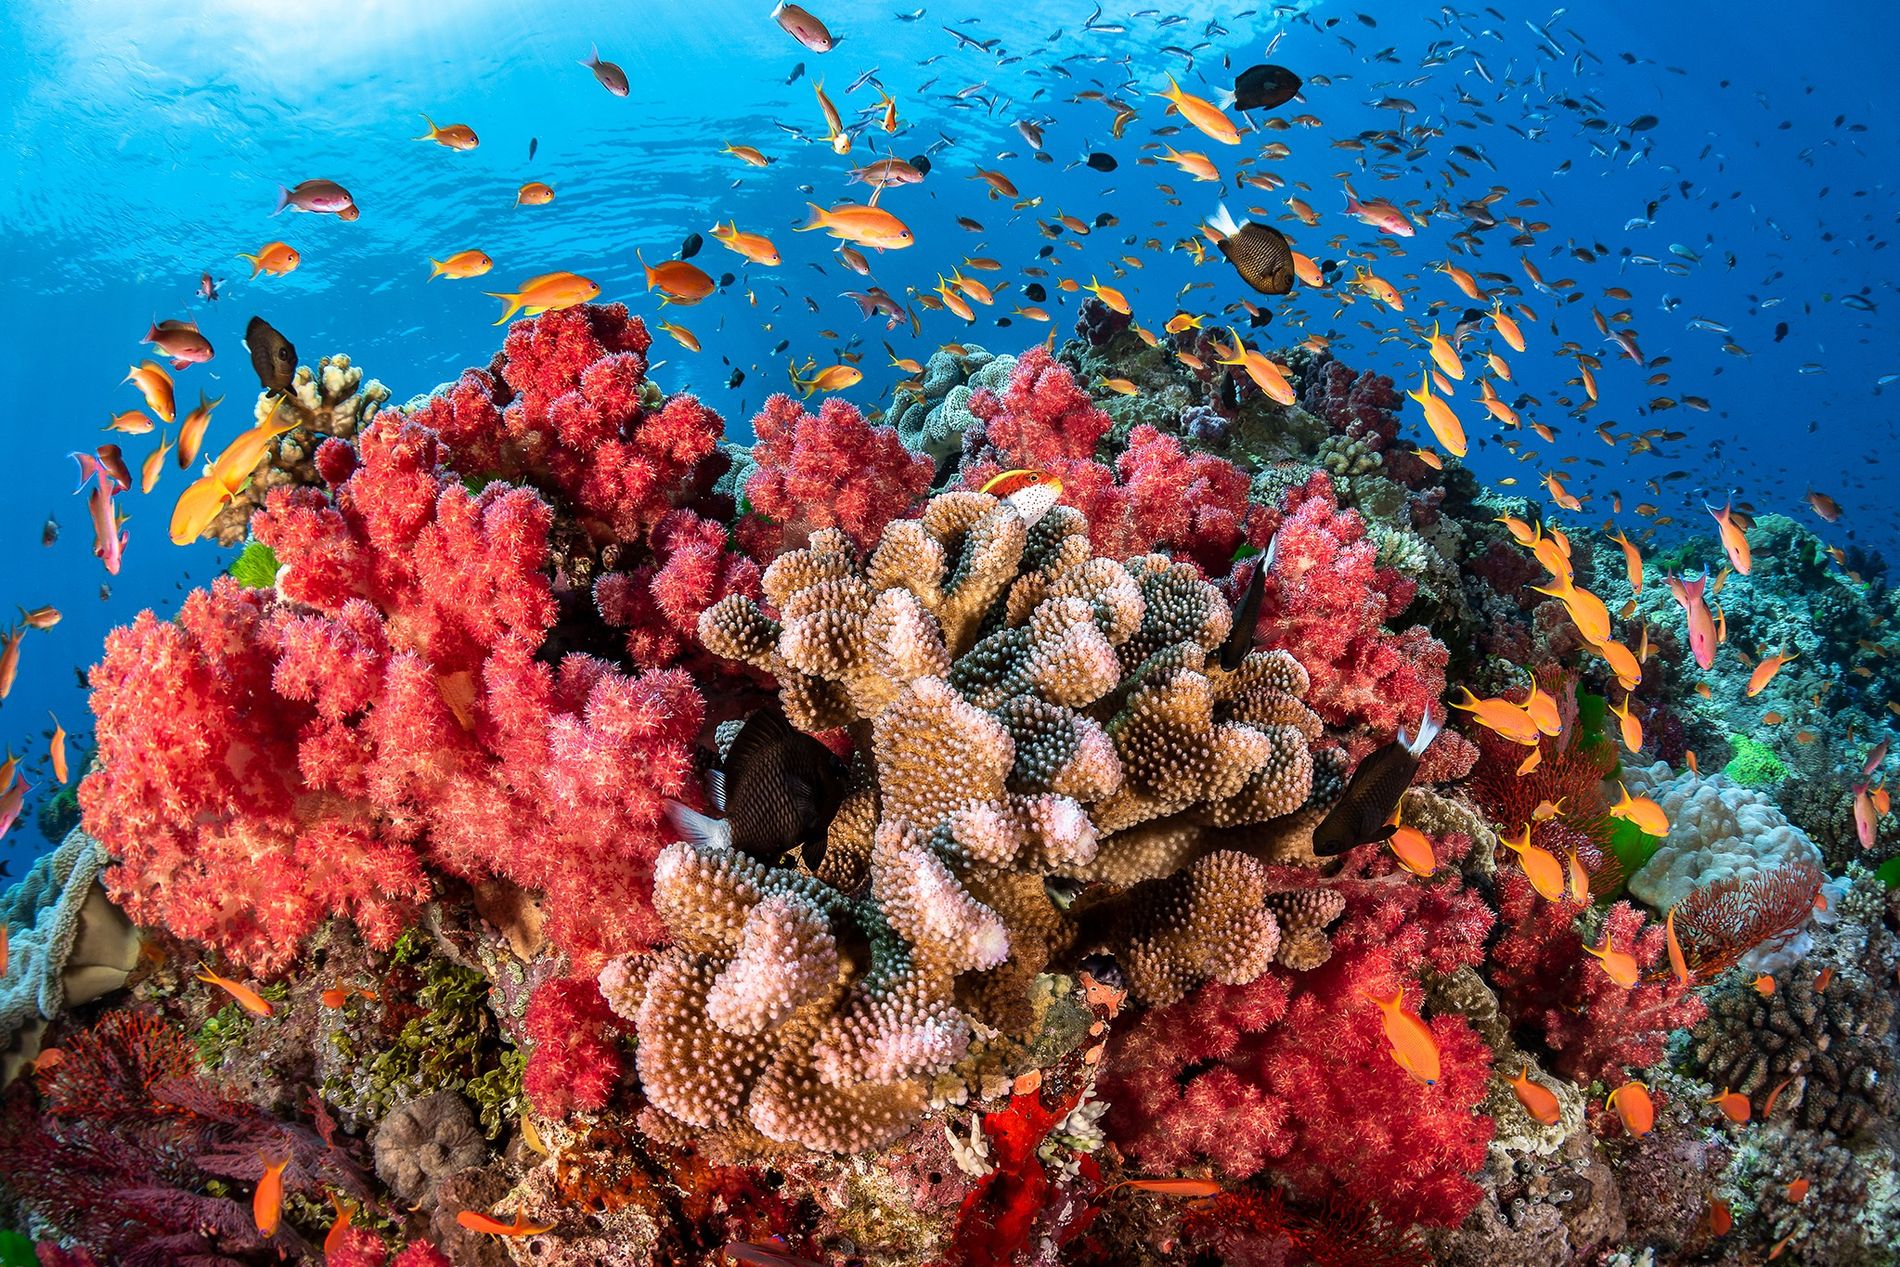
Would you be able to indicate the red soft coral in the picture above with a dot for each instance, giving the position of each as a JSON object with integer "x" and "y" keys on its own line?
{"x": 1547, "y": 983}
{"x": 1327, "y": 602}
{"x": 826, "y": 470}
{"x": 1157, "y": 496}
{"x": 576, "y": 1060}
{"x": 1292, "y": 1074}
{"x": 659, "y": 602}
{"x": 269, "y": 761}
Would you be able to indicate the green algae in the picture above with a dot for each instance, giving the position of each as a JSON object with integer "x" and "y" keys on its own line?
{"x": 1632, "y": 845}
{"x": 454, "y": 1044}
{"x": 229, "y": 1027}
{"x": 256, "y": 567}
{"x": 1754, "y": 763}
{"x": 17, "y": 1250}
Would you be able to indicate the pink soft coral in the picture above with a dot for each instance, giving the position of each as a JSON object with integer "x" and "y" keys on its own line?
{"x": 1157, "y": 495}
{"x": 1292, "y": 1074}
{"x": 576, "y": 1060}
{"x": 1548, "y": 984}
{"x": 1327, "y": 602}
{"x": 826, "y": 470}
{"x": 270, "y": 760}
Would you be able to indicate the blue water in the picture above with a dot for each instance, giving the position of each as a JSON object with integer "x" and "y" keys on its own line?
{"x": 142, "y": 147}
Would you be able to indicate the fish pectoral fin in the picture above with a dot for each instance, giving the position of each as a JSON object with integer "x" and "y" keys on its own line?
{"x": 698, "y": 828}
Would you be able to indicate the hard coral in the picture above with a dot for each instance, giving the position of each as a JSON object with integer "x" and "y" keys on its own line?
{"x": 1015, "y": 704}
{"x": 320, "y": 750}
{"x": 423, "y": 1142}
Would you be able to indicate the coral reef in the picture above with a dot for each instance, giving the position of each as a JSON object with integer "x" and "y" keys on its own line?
{"x": 1062, "y": 978}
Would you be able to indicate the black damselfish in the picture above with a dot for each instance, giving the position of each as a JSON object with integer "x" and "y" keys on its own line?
{"x": 1363, "y": 813}
{"x": 778, "y": 788}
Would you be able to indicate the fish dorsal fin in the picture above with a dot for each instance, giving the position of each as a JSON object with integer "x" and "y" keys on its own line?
{"x": 763, "y": 732}
{"x": 716, "y": 789}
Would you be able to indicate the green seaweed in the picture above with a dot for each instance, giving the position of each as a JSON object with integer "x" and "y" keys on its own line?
{"x": 17, "y": 1250}
{"x": 1632, "y": 845}
{"x": 454, "y": 1045}
{"x": 1754, "y": 763}
{"x": 1888, "y": 873}
{"x": 256, "y": 567}
{"x": 1593, "y": 713}
{"x": 230, "y": 1026}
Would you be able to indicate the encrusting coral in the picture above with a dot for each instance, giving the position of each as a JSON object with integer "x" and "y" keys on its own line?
{"x": 424, "y": 1141}
{"x": 1015, "y": 703}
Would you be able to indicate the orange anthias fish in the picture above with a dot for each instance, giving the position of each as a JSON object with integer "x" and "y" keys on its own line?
{"x": 1116, "y": 301}
{"x": 1678, "y": 964}
{"x": 1412, "y": 848}
{"x": 456, "y": 136}
{"x": 867, "y": 226}
{"x": 1701, "y": 622}
{"x": 534, "y": 194}
{"x": 1629, "y": 726}
{"x": 1764, "y": 984}
{"x": 1734, "y": 540}
{"x": 1537, "y": 1101}
{"x": 1439, "y": 416}
{"x": 478, "y": 1221}
{"x": 1265, "y": 374}
{"x": 1734, "y": 1105}
{"x": 830, "y": 379}
{"x": 155, "y": 384}
{"x": 1507, "y": 327}
{"x": 1507, "y": 720}
{"x": 462, "y": 264}
{"x": 1541, "y": 707}
{"x": 1798, "y": 1191}
{"x": 678, "y": 281}
{"x": 1413, "y": 1046}
{"x": 1620, "y": 965}
{"x": 201, "y": 503}
{"x": 1579, "y": 878}
{"x": 1633, "y": 1105}
{"x": 1765, "y": 672}
{"x": 247, "y": 998}
{"x": 1202, "y": 113}
{"x": 549, "y": 292}
{"x": 267, "y": 1202}
{"x": 1541, "y": 867}
{"x": 56, "y": 750}
{"x": 1444, "y": 355}
{"x": 1632, "y": 559}
{"x": 275, "y": 258}
{"x": 1644, "y": 813}
{"x": 754, "y": 246}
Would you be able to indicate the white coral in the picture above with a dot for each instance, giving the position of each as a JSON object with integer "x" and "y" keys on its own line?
{"x": 1718, "y": 830}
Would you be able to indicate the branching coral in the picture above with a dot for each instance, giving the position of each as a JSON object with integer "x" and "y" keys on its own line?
{"x": 320, "y": 749}
{"x": 1015, "y": 704}
{"x": 1827, "y": 1042}
{"x": 329, "y": 401}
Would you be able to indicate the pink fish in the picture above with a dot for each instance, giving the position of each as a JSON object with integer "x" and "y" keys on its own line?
{"x": 804, "y": 27}
{"x": 10, "y": 802}
{"x": 1701, "y": 621}
{"x": 316, "y": 195}
{"x": 180, "y": 341}
{"x": 1378, "y": 213}
{"x": 108, "y": 535}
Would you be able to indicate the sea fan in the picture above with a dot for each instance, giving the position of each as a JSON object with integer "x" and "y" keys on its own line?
{"x": 1720, "y": 923}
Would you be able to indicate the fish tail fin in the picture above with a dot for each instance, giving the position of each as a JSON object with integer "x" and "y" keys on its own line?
{"x": 1694, "y": 588}
{"x": 1225, "y": 98}
{"x": 436, "y": 268}
{"x": 283, "y": 199}
{"x": 513, "y": 302}
{"x": 256, "y": 268}
{"x": 88, "y": 467}
{"x": 430, "y": 135}
{"x": 1222, "y": 221}
{"x": 1428, "y": 729}
{"x": 1352, "y": 199}
{"x": 819, "y": 219}
{"x": 697, "y": 828}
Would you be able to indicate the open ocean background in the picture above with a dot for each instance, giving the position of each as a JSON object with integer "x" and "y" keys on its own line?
{"x": 144, "y": 146}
